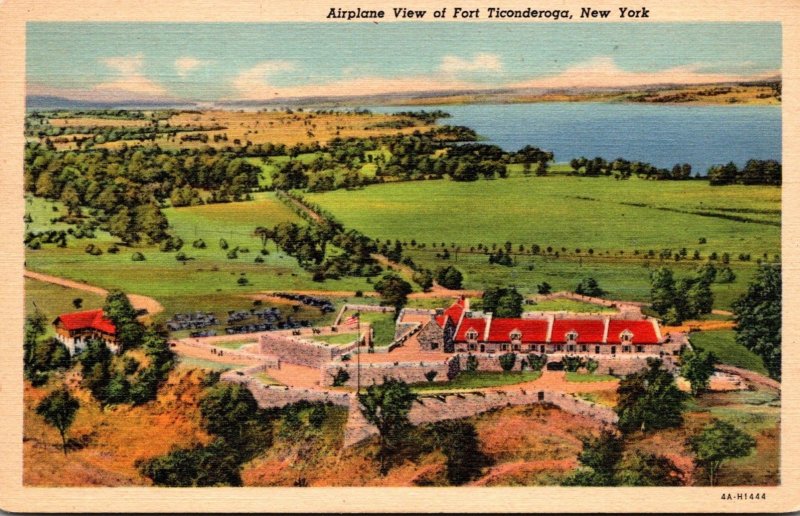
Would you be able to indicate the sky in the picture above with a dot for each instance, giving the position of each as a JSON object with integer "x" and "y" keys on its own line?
{"x": 204, "y": 62}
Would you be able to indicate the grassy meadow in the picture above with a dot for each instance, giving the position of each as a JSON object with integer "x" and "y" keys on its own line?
{"x": 723, "y": 344}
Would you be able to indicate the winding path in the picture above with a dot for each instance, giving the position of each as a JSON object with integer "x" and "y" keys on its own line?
{"x": 138, "y": 301}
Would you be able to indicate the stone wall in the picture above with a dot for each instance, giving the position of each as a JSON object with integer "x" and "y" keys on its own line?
{"x": 276, "y": 396}
{"x": 300, "y": 351}
{"x": 431, "y": 409}
{"x": 431, "y": 336}
{"x": 409, "y": 372}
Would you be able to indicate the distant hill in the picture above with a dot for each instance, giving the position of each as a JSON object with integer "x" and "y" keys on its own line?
{"x": 48, "y": 102}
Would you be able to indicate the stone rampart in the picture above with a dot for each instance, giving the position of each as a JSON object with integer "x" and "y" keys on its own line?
{"x": 409, "y": 372}
{"x": 276, "y": 396}
{"x": 301, "y": 351}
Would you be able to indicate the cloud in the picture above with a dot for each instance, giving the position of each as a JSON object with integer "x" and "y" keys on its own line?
{"x": 186, "y": 65}
{"x": 253, "y": 83}
{"x": 481, "y": 62}
{"x": 603, "y": 72}
{"x": 130, "y": 78}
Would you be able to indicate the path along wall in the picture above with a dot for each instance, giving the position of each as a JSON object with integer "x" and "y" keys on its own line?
{"x": 618, "y": 365}
{"x": 409, "y": 372}
{"x": 276, "y": 396}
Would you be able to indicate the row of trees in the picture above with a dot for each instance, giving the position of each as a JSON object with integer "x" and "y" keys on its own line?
{"x": 755, "y": 172}
{"x": 623, "y": 169}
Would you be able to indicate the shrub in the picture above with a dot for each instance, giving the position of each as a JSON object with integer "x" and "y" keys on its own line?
{"x": 507, "y": 361}
{"x": 181, "y": 257}
{"x": 430, "y": 375}
{"x": 572, "y": 363}
{"x": 536, "y": 362}
{"x": 93, "y": 250}
{"x": 113, "y": 249}
{"x": 199, "y": 244}
{"x": 317, "y": 416}
{"x": 137, "y": 257}
{"x": 259, "y": 259}
{"x": 591, "y": 365}
{"x": 223, "y": 244}
{"x": 472, "y": 363}
{"x": 242, "y": 281}
{"x": 359, "y": 293}
{"x": 726, "y": 275}
{"x": 340, "y": 378}
{"x": 232, "y": 254}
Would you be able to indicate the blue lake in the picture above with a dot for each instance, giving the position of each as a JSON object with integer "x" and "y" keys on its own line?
{"x": 659, "y": 134}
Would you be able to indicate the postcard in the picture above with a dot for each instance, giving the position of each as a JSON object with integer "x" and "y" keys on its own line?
{"x": 417, "y": 257}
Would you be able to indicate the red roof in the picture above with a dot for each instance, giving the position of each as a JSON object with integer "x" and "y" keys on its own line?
{"x": 590, "y": 331}
{"x": 89, "y": 319}
{"x": 643, "y": 331}
{"x": 533, "y": 330}
{"x": 478, "y": 324}
{"x": 453, "y": 312}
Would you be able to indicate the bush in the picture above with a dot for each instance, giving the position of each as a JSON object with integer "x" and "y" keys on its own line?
{"x": 507, "y": 361}
{"x": 137, "y": 257}
{"x": 472, "y": 363}
{"x": 199, "y": 244}
{"x": 591, "y": 365}
{"x": 726, "y": 275}
{"x": 572, "y": 363}
{"x": 242, "y": 281}
{"x": 223, "y": 244}
{"x": 259, "y": 259}
{"x": 359, "y": 293}
{"x": 340, "y": 378}
{"x": 113, "y": 249}
{"x": 536, "y": 362}
{"x": 93, "y": 250}
{"x": 317, "y": 416}
{"x": 232, "y": 254}
{"x": 430, "y": 375}
{"x": 589, "y": 287}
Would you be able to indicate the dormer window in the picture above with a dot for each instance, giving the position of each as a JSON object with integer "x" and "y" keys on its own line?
{"x": 472, "y": 335}
{"x": 626, "y": 336}
{"x": 571, "y": 336}
{"x": 515, "y": 335}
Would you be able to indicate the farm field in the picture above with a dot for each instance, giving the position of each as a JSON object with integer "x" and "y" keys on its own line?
{"x": 234, "y": 128}
{"x": 570, "y": 212}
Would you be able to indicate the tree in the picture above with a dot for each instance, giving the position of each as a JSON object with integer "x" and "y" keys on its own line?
{"x": 423, "y": 278}
{"x": 758, "y": 318}
{"x": 697, "y": 367}
{"x": 120, "y": 311}
{"x": 201, "y": 466}
{"x": 649, "y": 399}
{"x": 58, "y": 409}
{"x": 96, "y": 368}
{"x": 544, "y": 288}
{"x": 393, "y": 290}
{"x": 599, "y": 458}
{"x": 717, "y": 443}
{"x": 449, "y": 277}
{"x": 647, "y": 469}
{"x": 227, "y": 411}
{"x": 536, "y": 362}
{"x": 507, "y": 361}
{"x": 699, "y": 298}
{"x": 387, "y": 406}
{"x": 503, "y": 302}
{"x": 589, "y": 287}
{"x": 459, "y": 442}
{"x": 662, "y": 290}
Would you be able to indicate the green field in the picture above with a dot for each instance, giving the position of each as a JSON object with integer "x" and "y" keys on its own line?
{"x": 567, "y": 305}
{"x": 584, "y": 377}
{"x": 53, "y": 300}
{"x": 337, "y": 338}
{"x": 479, "y": 380}
{"x": 723, "y": 344}
{"x": 383, "y": 325}
{"x": 570, "y": 214}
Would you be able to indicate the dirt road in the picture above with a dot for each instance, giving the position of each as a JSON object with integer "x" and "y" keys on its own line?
{"x": 138, "y": 301}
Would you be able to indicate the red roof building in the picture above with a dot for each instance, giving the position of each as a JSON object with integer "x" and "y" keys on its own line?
{"x": 548, "y": 333}
{"x": 78, "y": 328}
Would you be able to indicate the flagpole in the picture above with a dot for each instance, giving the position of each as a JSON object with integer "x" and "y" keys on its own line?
{"x": 358, "y": 357}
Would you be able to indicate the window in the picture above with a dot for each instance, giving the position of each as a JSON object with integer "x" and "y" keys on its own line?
{"x": 472, "y": 334}
{"x": 559, "y": 347}
{"x": 570, "y": 347}
{"x": 515, "y": 347}
{"x": 626, "y": 349}
{"x": 504, "y": 347}
{"x": 541, "y": 348}
{"x": 515, "y": 335}
{"x": 571, "y": 335}
{"x": 626, "y": 337}
{"x": 597, "y": 349}
{"x": 640, "y": 349}
{"x": 472, "y": 347}
{"x": 584, "y": 348}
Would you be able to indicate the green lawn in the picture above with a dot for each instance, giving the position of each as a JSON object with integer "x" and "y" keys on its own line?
{"x": 383, "y": 325}
{"x": 567, "y": 305}
{"x": 53, "y": 300}
{"x": 266, "y": 379}
{"x": 585, "y": 377}
{"x": 723, "y": 344}
{"x": 337, "y": 338}
{"x": 200, "y": 363}
{"x": 233, "y": 344}
{"x": 478, "y": 380}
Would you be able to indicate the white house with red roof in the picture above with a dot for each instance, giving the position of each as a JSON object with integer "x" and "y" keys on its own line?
{"x": 78, "y": 328}
{"x": 457, "y": 329}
